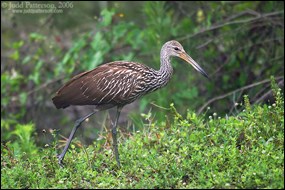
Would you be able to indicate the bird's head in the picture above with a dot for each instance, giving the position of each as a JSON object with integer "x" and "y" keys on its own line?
{"x": 174, "y": 48}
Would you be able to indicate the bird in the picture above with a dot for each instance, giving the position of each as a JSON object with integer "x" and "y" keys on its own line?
{"x": 117, "y": 84}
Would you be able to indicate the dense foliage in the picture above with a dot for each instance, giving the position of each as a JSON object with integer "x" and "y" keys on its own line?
{"x": 246, "y": 151}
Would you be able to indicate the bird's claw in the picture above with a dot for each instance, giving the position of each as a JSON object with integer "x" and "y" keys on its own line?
{"x": 60, "y": 158}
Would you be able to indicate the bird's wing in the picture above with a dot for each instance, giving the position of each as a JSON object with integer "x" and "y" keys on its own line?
{"x": 113, "y": 83}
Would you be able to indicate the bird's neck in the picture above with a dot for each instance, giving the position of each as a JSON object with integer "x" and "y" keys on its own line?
{"x": 166, "y": 69}
{"x": 161, "y": 76}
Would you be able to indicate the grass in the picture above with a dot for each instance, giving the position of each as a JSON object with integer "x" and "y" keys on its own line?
{"x": 243, "y": 151}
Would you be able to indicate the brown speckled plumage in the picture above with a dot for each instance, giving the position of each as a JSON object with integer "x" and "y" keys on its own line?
{"x": 112, "y": 84}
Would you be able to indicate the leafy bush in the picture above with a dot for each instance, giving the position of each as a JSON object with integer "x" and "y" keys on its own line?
{"x": 246, "y": 151}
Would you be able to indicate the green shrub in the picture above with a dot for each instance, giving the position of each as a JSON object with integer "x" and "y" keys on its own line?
{"x": 243, "y": 151}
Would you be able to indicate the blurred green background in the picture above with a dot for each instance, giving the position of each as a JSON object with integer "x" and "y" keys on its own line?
{"x": 239, "y": 44}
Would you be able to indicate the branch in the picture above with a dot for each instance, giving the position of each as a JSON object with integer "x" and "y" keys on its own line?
{"x": 267, "y": 93}
{"x": 259, "y": 16}
{"x": 45, "y": 85}
{"x": 235, "y": 91}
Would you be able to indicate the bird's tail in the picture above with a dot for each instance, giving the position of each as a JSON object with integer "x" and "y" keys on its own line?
{"x": 59, "y": 103}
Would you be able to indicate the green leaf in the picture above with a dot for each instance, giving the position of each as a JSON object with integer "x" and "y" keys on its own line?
{"x": 17, "y": 45}
{"x": 23, "y": 98}
{"x": 37, "y": 37}
{"x": 15, "y": 55}
{"x": 26, "y": 60}
{"x": 107, "y": 17}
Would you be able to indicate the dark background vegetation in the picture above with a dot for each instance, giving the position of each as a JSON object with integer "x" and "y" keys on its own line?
{"x": 239, "y": 44}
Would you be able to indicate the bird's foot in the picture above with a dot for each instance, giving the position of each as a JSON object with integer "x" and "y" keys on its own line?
{"x": 119, "y": 164}
{"x": 60, "y": 158}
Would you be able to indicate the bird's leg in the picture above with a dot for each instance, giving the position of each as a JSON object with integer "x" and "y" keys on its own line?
{"x": 114, "y": 135}
{"x": 76, "y": 126}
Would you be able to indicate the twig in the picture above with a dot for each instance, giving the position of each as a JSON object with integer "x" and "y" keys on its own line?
{"x": 267, "y": 93}
{"x": 249, "y": 11}
{"x": 260, "y": 92}
{"x": 234, "y": 100}
{"x": 235, "y": 91}
{"x": 160, "y": 107}
{"x": 45, "y": 85}
{"x": 205, "y": 44}
{"x": 203, "y": 30}
{"x": 263, "y": 96}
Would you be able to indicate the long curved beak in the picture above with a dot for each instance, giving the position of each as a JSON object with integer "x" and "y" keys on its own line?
{"x": 188, "y": 59}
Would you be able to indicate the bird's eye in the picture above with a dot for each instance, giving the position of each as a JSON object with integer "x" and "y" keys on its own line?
{"x": 176, "y": 48}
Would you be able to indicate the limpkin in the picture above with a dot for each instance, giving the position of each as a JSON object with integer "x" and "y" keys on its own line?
{"x": 116, "y": 84}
